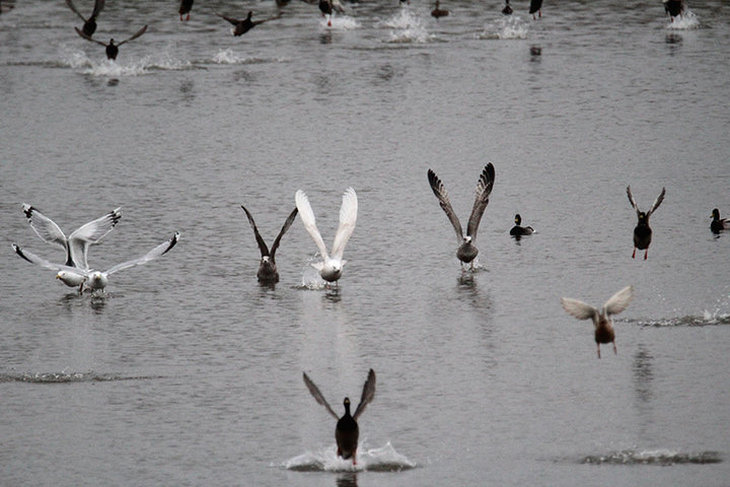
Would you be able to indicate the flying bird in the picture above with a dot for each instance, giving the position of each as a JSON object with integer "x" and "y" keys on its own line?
{"x": 346, "y": 431}
{"x": 244, "y": 25}
{"x": 642, "y": 231}
{"x": 718, "y": 225}
{"x": 332, "y": 263}
{"x": 439, "y": 12}
{"x": 185, "y": 7}
{"x": 602, "y": 321}
{"x": 78, "y": 242}
{"x": 536, "y": 7}
{"x": 467, "y": 250}
{"x": 112, "y": 49}
{"x": 507, "y": 10}
{"x": 89, "y": 24}
{"x": 92, "y": 279}
{"x": 517, "y": 231}
{"x": 673, "y": 8}
{"x": 267, "y": 272}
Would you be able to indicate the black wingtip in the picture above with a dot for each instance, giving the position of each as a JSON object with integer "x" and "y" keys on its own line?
{"x": 20, "y": 253}
{"x": 434, "y": 181}
{"x": 28, "y": 210}
{"x": 173, "y": 242}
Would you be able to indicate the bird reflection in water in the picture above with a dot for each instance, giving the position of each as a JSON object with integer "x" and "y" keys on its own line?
{"x": 347, "y": 479}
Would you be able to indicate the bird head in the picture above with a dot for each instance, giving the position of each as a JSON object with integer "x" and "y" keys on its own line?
{"x": 518, "y": 219}
{"x": 715, "y": 214}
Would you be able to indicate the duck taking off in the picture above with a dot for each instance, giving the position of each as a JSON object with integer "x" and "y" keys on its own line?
{"x": 267, "y": 272}
{"x": 673, "y": 8}
{"x": 89, "y": 24}
{"x": 602, "y": 322}
{"x": 112, "y": 49}
{"x": 241, "y": 26}
{"x": 536, "y": 8}
{"x": 347, "y": 430}
{"x": 467, "y": 250}
{"x": 642, "y": 231}
{"x": 719, "y": 224}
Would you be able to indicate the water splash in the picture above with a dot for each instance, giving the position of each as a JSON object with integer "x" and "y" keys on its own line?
{"x": 64, "y": 377}
{"x": 410, "y": 28}
{"x": 508, "y": 27}
{"x": 708, "y": 318}
{"x": 384, "y": 459}
{"x": 663, "y": 457}
{"x": 340, "y": 22}
{"x": 687, "y": 21}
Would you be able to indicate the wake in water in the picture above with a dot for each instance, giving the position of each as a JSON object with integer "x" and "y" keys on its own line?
{"x": 687, "y": 21}
{"x": 707, "y": 319}
{"x": 663, "y": 457}
{"x": 76, "y": 59}
{"x": 66, "y": 377}
{"x": 409, "y": 28}
{"x": 384, "y": 459}
{"x": 507, "y": 27}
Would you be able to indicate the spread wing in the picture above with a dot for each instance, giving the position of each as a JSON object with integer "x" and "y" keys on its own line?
{"x": 631, "y": 199}
{"x": 137, "y": 34}
{"x": 89, "y": 38}
{"x": 657, "y": 202}
{"x": 158, "y": 251}
{"x": 98, "y": 5}
{"x": 619, "y": 301}
{"x": 34, "y": 259}
{"x": 91, "y": 234}
{"x": 229, "y": 19}
{"x": 578, "y": 309}
{"x": 257, "y": 22}
{"x": 443, "y": 197}
{"x": 368, "y": 392}
{"x": 337, "y": 6}
{"x": 260, "y": 241}
{"x": 74, "y": 10}
{"x": 348, "y": 218}
{"x": 44, "y": 227}
{"x": 481, "y": 200}
{"x": 314, "y": 390}
{"x": 307, "y": 216}
{"x": 283, "y": 230}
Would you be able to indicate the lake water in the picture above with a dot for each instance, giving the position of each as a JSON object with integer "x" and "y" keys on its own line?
{"x": 187, "y": 372}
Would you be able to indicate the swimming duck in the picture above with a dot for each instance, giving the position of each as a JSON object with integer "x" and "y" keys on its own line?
{"x": 536, "y": 7}
{"x": 439, "y": 12}
{"x": 517, "y": 230}
{"x": 603, "y": 324}
{"x": 185, "y": 7}
{"x": 507, "y": 10}
{"x": 642, "y": 232}
{"x": 112, "y": 49}
{"x": 267, "y": 272}
{"x": 718, "y": 225}
{"x": 244, "y": 25}
{"x": 89, "y": 24}
{"x": 467, "y": 250}
{"x": 346, "y": 431}
{"x": 673, "y": 8}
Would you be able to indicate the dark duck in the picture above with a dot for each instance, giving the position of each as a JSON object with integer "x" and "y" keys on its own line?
{"x": 642, "y": 231}
{"x": 719, "y": 224}
{"x": 267, "y": 272}
{"x": 241, "y": 26}
{"x": 347, "y": 430}
{"x": 518, "y": 231}
{"x": 438, "y": 12}
{"x": 89, "y": 24}
{"x": 185, "y": 7}
{"x": 112, "y": 49}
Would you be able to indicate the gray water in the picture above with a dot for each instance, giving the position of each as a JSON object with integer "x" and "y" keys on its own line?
{"x": 187, "y": 372}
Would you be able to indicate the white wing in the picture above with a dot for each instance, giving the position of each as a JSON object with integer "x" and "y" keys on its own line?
{"x": 34, "y": 259}
{"x": 91, "y": 234}
{"x": 44, "y": 227}
{"x": 348, "y": 217}
{"x": 151, "y": 255}
{"x": 578, "y": 309}
{"x": 619, "y": 301}
{"x": 307, "y": 216}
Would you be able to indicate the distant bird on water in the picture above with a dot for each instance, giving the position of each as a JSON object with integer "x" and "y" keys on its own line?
{"x": 536, "y": 7}
{"x": 185, "y": 7}
{"x": 439, "y": 12}
{"x": 267, "y": 272}
{"x": 518, "y": 231}
{"x": 467, "y": 250}
{"x": 642, "y": 231}
{"x": 507, "y": 10}
{"x": 330, "y": 269}
{"x": 6, "y": 6}
{"x": 112, "y": 49}
{"x": 241, "y": 26}
{"x": 673, "y": 8}
{"x": 718, "y": 225}
{"x": 603, "y": 324}
{"x": 347, "y": 430}
{"x": 89, "y": 24}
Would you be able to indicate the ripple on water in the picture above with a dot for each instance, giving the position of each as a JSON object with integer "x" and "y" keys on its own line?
{"x": 652, "y": 457}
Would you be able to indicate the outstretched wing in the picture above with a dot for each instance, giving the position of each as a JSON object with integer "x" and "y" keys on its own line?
{"x": 98, "y": 5}
{"x": 481, "y": 200}
{"x": 137, "y": 34}
{"x": 631, "y": 199}
{"x": 619, "y": 301}
{"x": 657, "y": 202}
{"x": 158, "y": 251}
{"x": 229, "y": 19}
{"x": 314, "y": 390}
{"x": 79, "y": 32}
{"x": 348, "y": 218}
{"x": 443, "y": 197}
{"x": 307, "y": 216}
{"x": 91, "y": 234}
{"x": 44, "y": 227}
{"x": 74, "y": 10}
{"x": 284, "y": 228}
{"x": 34, "y": 259}
{"x": 337, "y": 6}
{"x": 578, "y": 309}
{"x": 368, "y": 392}
{"x": 260, "y": 241}
{"x": 274, "y": 17}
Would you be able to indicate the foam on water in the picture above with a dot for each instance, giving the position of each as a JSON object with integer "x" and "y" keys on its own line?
{"x": 507, "y": 27}
{"x": 708, "y": 318}
{"x": 343, "y": 22}
{"x": 687, "y": 21}
{"x": 64, "y": 377}
{"x": 384, "y": 459}
{"x": 409, "y": 28}
{"x": 663, "y": 457}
